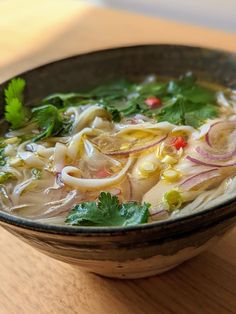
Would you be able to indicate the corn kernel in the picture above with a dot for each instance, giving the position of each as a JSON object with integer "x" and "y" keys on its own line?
{"x": 169, "y": 160}
{"x": 171, "y": 175}
{"x": 147, "y": 168}
{"x": 173, "y": 200}
{"x": 11, "y": 140}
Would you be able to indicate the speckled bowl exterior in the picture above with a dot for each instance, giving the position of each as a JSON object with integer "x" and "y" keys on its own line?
{"x": 136, "y": 251}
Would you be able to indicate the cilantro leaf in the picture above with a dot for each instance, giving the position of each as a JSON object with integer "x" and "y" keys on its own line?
{"x": 181, "y": 111}
{"x": 134, "y": 213}
{"x": 15, "y": 112}
{"x": 202, "y": 112}
{"x": 49, "y": 121}
{"x": 173, "y": 112}
{"x": 187, "y": 87}
{"x": 15, "y": 89}
{"x": 103, "y": 95}
{"x": 63, "y": 100}
{"x": 199, "y": 94}
{"x": 184, "y": 82}
{"x": 108, "y": 212}
{"x": 112, "y": 91}
{"x": 115, "y": 113}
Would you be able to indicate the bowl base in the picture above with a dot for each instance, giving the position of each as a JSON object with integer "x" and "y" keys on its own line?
{"x": 142, "y": 268}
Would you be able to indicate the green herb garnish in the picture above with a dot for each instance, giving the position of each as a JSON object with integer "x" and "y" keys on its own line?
{"x": 188, "y": 103}
{"x": 180, "y": 111}
{"x": 49, "y": 120}
{"x": 183, "y": 102}
{"x": 108, "y": 212}
{"x": 15, "y": 112}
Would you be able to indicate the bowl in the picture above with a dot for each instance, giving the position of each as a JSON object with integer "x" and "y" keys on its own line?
{"x": 135, "y": 251}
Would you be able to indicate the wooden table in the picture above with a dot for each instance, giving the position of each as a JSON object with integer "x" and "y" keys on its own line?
{"x": 35, "y": 32}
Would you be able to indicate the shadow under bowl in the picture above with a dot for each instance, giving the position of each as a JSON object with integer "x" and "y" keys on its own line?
{"x": 136, "y": 251}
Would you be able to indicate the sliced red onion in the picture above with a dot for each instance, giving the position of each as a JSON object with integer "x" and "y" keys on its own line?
{"x": 200, "y": 162}
{"x": 191, "y": 182}
{"x": 212, "y": 156}
{"x": 130, "y": 188}
{"x": 136, "y": 150}
{"x": 207, "y": 136}
{"x": 161, "y": 214}
{"x": 213, "y": 130}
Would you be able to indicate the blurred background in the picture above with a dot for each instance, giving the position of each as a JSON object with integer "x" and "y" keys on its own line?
{"x": 220, "y": 14}
{"x": 36, "y": 32}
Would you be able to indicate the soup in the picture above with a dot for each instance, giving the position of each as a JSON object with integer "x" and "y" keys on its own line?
{"x": 121, "y": 154}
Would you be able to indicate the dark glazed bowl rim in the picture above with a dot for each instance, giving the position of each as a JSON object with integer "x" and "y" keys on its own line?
{"x": 95, "y": 231}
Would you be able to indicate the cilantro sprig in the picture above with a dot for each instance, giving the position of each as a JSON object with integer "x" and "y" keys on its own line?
{"x": 108, "y": 212}
{"x": 15, "y": 112}
{"x": 181, "y": 111}
{"x": 188, "y": 103}
{"x": 48, "y": 119}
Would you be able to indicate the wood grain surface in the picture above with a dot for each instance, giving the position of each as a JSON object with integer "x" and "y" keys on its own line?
{"x": 36, "y": 32}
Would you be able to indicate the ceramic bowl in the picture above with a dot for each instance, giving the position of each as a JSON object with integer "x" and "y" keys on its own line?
{"x": 136, "y": 251}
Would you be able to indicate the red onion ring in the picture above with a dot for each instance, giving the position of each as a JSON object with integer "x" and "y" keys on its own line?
{"x": 212, "y": 129}
{"x": 191, "y": 182}
{"x": 207, "y": 136}
{"x": 212, "y": 156}
{"x": 161, "y": 214}
{"x": 130, "y": 188}
{"x": 200, "y": 162}
{"x": 136, "y": 150}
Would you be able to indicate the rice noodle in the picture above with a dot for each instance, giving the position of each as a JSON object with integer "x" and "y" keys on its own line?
{"x": 19, "y": 188}
{"x": 58, "y": 207}
{"x": 60, "y": 153}
{"x": 31, "y": 159}
{"x": 75, "y": 142}
{"x": 82, "y": 120}
{"x": 92, "y": 184}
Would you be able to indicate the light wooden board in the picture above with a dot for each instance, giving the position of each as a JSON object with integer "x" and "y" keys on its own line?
{"x": 36, "y": 32}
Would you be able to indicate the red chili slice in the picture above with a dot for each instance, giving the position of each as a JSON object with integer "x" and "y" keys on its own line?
{"x": 153, "y": 102}
{"x": 179, "y": 142}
